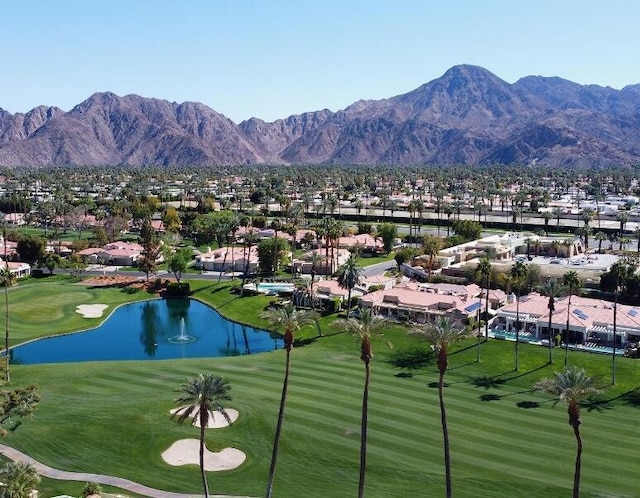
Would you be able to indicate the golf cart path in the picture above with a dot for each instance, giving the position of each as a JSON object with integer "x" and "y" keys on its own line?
{"x": 134, "y": 487}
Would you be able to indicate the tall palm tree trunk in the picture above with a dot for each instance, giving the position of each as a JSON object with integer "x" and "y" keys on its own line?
{"x": 244, "y": 273}
{"x": 574, "y": 417}
{"x": 613, "y": 356}
{"x": 205, "y": 484}
{"x": 517, "y": 365}
{"x": 224, "y": 263}
{"x": 363, "y": 428}
{"x": 486, "y": 310}
{"x": 576, "y": 474}
{"x": 275, "y": 252}
{"x": 445, "y": 430}
{"x": 276, "y": 439}
{"x": 6, "y": 324}
{"x": 566, "y": 338}
{"x": 233, "y": 255}
{"x": 550, "y": 338}
{"x": 7, "y": 282}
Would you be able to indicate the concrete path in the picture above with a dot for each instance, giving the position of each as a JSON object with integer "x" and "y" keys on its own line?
{"x": 134, "y": 487}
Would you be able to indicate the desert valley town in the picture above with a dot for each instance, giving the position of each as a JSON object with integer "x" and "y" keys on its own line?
{"x": 300, "y": 250}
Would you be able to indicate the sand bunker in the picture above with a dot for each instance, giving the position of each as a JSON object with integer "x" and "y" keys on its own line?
{"x": 187, "y": 452}
{"x": 91, "y": 310}
{"x": 216, "y": 419}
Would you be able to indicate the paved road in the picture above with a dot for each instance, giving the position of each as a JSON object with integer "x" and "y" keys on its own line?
{"x": 378, "y": 268}
{"x": 134, "y": 487}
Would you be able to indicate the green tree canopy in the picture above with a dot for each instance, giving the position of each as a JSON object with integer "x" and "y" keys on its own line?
{"x": 31, "y": 248}
{"x": 388, "y": 232}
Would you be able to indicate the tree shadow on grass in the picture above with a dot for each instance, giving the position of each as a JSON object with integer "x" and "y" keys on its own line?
{"x": 498, "y": 397}
{"x": 410, "y": 360}
{"x": 457, "y": 367}
{"x": 404, "y": 375}
{"x": 487, "y": 382}
{"x": 528, "y": 404}
{"x": 631, "y": 398}
{"x": 490, "y": 397}
{"x": 297, "y": 343}
{"x": 434, "y": 385}
{"x": 466, "y": 348}
{"x": 523, "y": 374}
{"x": 596, "y": 403}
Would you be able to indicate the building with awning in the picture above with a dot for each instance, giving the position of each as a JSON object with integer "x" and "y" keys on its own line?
{"x": 589, "y": 320}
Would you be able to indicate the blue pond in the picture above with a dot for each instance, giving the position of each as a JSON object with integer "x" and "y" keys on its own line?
{"x": 152, "y": 330}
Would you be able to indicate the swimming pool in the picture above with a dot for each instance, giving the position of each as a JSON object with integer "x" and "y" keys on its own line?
{"x": 152, "y": 330}
{"x": 270, "y": 287}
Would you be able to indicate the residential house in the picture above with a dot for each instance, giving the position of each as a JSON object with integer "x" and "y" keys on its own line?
{"x": 325, "y": 264}
{"x": 228, "y": 259}
{"x": 422, "y": 302}
{"x": 117, "y": 253}
{"x": 590, "y": 320}
{"x": 17, "y": 269}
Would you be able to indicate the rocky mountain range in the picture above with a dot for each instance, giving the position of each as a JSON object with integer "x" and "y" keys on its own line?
{"x": 467, "y": 116}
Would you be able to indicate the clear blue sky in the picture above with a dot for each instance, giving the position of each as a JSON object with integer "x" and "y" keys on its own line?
{"x": 274, "y": 58}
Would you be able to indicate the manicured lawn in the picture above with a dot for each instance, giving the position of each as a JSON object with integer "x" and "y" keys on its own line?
{"x": 505, "y": 439}
{"x": 376, "y": 259}
{"x": 41, "y": 308}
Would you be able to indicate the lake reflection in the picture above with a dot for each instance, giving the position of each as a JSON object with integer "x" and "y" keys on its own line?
{"x": 159, "y": 329}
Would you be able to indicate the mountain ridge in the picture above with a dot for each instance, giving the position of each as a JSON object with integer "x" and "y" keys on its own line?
{"x": 467, "y": 116}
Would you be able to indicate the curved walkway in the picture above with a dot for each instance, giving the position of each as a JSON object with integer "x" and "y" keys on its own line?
{"x": 134, "y": 487}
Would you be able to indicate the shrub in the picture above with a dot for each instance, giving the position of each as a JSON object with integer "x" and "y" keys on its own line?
{"x": 175, "y": 289}
{"x": 91, "y": 488}
{"x": 376, "y": 287}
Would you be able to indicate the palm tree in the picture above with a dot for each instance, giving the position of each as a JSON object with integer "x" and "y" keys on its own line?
{"x": 584, "y": 233}
{"x": 249, "y": 239}
{"x": 431, "y": 245}
{"x": 618, "y": 272}
{"x": 19, "y": 479}
{"x": 518, "y": 273}
{"x": 364, "y": 329}
{"x": 571, "y": 386}
{"x": 200, "y": 396}
{"x": 350, "y": 275}
{"x": 547, "y": 216}
{"x": 557, "y": 212}
{"x": 572, "y": 282}
{"x": 358, "y": 205}
{"x": 624, "y": 242}
{"x": 291, "y": 319}
{"x": 440, "y": 334}
{"x": 7, "y": 279}
{"x": 314, "y": 258}
{"x": 552, "y": 289}
{"x": 448, "y": 210}
{"x": 484, "y": 268}
{"x": 622, "y": 217}
{"x": 600, "y": 237}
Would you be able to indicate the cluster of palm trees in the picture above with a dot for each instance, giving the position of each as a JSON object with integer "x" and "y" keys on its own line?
{"x": 329, "y": 229}
{"x": 552, "y": 288}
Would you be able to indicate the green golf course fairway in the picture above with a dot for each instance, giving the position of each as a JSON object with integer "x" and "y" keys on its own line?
{"x": 113, "y": 418}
